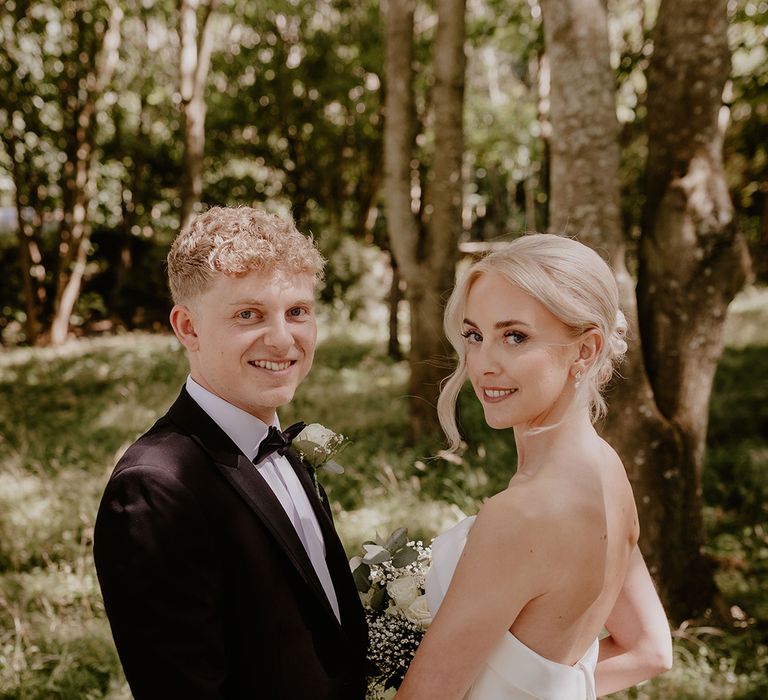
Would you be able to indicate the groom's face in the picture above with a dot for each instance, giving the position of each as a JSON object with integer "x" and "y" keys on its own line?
{"x": 252, "y": 338}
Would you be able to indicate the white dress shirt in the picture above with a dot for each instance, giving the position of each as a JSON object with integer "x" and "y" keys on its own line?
{"x": 247, "y": 432}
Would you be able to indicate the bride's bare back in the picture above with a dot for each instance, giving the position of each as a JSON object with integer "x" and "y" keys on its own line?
{"x": 587, "y": 525}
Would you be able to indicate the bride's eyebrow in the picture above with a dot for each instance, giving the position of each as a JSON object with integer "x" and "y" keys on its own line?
{"x": 510, "y": 323}
{"x": 500, "y": 324}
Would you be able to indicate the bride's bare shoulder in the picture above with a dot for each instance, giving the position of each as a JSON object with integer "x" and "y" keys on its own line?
{"x": 516, "y": 534}
{"x": 541, "y": 508}
{"x": 523, "y": 506}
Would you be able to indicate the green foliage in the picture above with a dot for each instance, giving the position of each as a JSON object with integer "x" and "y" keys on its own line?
{"x": 297, "y": 99}
{"x": 294, "y": 123}
{"x": 502, "y": 127}
{"x": 48, "y": 51}
{"x": 746, "y": 144}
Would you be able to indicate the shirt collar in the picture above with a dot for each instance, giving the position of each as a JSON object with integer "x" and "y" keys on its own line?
{"x": 245, "y": 430}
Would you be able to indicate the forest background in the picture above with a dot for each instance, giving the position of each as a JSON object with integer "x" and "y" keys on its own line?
{"x": 407, "y": 137}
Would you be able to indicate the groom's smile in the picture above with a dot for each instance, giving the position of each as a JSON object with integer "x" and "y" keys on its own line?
{"x": 272, "y": 365}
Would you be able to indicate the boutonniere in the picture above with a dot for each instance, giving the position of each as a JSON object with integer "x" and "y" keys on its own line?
{"x": 316, "y": 446}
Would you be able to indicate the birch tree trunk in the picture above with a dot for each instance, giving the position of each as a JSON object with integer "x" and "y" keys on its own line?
{"x": 662, "y": 455}
{"x": 426, "y": 254}
{"x": 196, "y": 48}
{"x": 75, "y": 232}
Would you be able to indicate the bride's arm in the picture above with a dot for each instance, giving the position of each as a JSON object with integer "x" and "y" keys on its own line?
{"x": 639, "y": 644}
{"x": 494, "y": 579}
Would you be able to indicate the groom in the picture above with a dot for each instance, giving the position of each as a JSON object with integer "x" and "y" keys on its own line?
{"x": 221, "y": 571}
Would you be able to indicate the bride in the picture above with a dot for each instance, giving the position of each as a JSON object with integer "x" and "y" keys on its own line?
{"x": 526, "y": 588}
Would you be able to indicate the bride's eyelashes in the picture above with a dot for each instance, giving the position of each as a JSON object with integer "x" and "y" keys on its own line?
{"x": 511, "y": 337}
{"x": 515, "y": 337}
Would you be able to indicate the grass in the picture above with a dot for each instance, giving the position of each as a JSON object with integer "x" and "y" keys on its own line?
{"x": 65, "y": 416}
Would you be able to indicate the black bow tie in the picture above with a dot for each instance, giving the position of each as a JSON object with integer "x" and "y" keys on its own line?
{"x": 277, "y": 441}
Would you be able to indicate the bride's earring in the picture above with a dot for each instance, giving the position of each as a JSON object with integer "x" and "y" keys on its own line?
{"x": 577, "y": 380}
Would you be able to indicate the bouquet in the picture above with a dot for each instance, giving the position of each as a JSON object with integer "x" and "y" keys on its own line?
{"x": 390, "y": 579}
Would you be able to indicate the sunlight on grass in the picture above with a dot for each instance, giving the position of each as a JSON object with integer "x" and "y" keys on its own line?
{"x": 29, "y": 515}
{"x": 747, "y": 319}
{"x": 424, "y": 519}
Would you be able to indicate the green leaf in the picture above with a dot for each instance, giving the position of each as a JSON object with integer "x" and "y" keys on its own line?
{"x": 306, "y": 446}
{"x": 404, "y": 557}
{"x": 397, "y": 539}
{"x": 378, "y": 599}
{"x": 374, "y": 554}
{"x": 362, "y": 578}
{"x": 310, "y": 452}
{"x": 333, "y": 467}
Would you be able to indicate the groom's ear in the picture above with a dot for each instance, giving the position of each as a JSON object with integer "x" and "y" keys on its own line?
{"x": 183, "y": 324}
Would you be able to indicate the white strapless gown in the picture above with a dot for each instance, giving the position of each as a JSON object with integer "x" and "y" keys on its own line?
{"x": 513, "y": 671}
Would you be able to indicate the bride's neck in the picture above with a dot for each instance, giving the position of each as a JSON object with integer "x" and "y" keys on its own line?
{"x": 536, "y": 447}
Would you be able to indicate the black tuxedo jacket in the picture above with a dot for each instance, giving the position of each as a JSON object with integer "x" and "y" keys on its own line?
{"x": 207, "y": 586}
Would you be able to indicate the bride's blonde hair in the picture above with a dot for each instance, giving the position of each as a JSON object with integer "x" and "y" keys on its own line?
{"x": 573, "y": 282}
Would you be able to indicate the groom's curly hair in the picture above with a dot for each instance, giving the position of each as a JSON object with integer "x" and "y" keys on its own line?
{"x": 235, "y": 241}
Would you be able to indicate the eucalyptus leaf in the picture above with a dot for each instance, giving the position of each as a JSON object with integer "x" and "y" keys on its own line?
{"x": 310, "y": 451}
{"x": 362, "y": 578}
{"x": 333, "y": 467}
{"x": 306, "y": 446}
{"x": 378, "y": 599}
{"x": 374, "y": 554}
{"x": 397, "y": 539}
{"x": 404, "y": 557}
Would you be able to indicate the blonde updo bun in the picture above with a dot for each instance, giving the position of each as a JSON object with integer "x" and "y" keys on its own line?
{"x": 573, "y": 282}
{"x": 617, "y": 339}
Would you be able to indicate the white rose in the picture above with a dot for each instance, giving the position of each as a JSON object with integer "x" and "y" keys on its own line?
{"x": 418, "y": 612}
{"x": 316, "y": 433}
{"x": 403, "y": 591}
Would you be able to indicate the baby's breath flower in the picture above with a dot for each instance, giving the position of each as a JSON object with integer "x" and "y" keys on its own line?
{"x": 396, "y": 617}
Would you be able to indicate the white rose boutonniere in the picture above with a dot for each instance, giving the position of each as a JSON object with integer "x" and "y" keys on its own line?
{"x": 316, "y": 445}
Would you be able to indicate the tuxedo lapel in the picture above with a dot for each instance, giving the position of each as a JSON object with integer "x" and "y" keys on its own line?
{"x": 244, "y": 477}
{"x": 321, "y": 509}
{"x": 335, "y": 557}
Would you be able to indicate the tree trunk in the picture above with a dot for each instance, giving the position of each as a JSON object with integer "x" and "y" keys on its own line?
{"x": 395, "y": 295}
{"x": 75, "y": 231}
{"x": 130, "y": 193}
{"x": 584, "y": 201}
{"x": 692, "y": 261}
{"x": 399, "y": 132}
{"x": 27, "y": 247}
{"x": 194, "y": 64}
{"x": 426, "y": 256}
